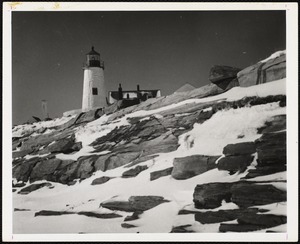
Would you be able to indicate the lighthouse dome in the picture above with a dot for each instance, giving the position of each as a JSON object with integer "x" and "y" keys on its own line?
{"x": 93, "y": 52}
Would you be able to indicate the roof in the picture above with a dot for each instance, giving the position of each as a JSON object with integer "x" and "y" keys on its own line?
{"x": 115, "y": 94}
{"x": 186, "y": 87}
{"x": 93, "y": 52}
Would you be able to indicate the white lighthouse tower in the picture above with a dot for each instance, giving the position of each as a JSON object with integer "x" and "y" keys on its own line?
{"x": 94, "y": 92}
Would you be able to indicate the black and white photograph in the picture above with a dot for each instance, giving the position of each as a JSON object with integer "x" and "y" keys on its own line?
{"x": 150, "y": 121}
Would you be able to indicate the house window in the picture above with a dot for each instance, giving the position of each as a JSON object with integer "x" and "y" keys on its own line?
{"x": 95, "y": 91}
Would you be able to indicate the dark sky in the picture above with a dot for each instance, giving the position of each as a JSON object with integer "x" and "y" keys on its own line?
{"x": 157, "y": 50}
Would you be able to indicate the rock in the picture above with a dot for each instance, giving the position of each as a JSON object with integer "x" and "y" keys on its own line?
{"x": 22, "y": 171}
{"x": 89, "y": 116}
{"x": 68, "y": 173}
{"x": 114, "y": 160}
{"x": 127, "y": 226}
{"x": 41, "y": 130}
{"x": 144, "y": 203}
{"x": 181, "y": 229}
{"x": 271, "y": 149}
{"x": 134, "y": 203}
{"x": 238, "y": 228}
{"x": 21, "y": 209}
{"x": 100, "y": 215}
{"x": 211, "y": 195}
{"x": 210, "y": 217}
{"x": 16, "y": 144}
{"x": 190, "y": 166}
{"x": 239, "y": 149}
{"x": 101, "y": 162}
{"x": 51, "y": 213}
{"x": 134, "y": 172}
{"x": 101, "y": 180}
{"x": 274, "y": 69}
{"x": 134, "y": 216}
{"x": 33, "y": 119}
{"x": 235, "y": 163}
{"x": 253, "y": 222}
{"x": 33, "y": 187}
{"x": 146, "y": 130}
{"x": 277, "y": 123}
{"x": 19, "y": 184}
{"x": 18, "y": 161}
{"x": 245, "y": 195}
{"x": 140, "y": 159}
{"x": 117, "y": 160}
{"x": 36, "y": 142}
{"x": 21, "y": 153}
{"x": 160, "y": 173}
{"x": 275, "y": 155}
{"x": 164, "y": 143}
{"x": 118, "y": 205}
{"x": 219, "y": 73}
{"x": 266, "y": 220}
{"x": 65, "y": 145}
{"x": 85, "y": 167}
{"x": 44, "y": 170}
{"x": 265, "y": 170}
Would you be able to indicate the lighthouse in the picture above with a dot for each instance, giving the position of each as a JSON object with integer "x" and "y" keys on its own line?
{"x": 94, "y": 92}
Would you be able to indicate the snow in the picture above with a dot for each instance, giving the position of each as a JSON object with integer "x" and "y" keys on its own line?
{"x": 208, "y": 138}
{"x": 274, "y": 55}
{"x": 21, "y": 130}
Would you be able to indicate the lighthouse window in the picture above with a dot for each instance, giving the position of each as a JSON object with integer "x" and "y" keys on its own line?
{"x": 95, "y": 91}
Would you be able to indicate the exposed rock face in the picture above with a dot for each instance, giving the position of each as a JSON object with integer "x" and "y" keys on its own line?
{"x": 277, "y": 123}
{"x": 211, "y": 195}
{"x": 221, "y": 72}
{"x": 134, "y": 172}
{"x": 224, "y": 76}
{"x": 181, "y": 229}
{"x": 23, "y": 170}
{"x": 271, "y": 148}
{"x": 89, "y": 116}
{"x": 44, "y": 170}
{"x": 239, "y": 149}
{"x": 134, "y": 203}
{"x": 190, "y": 166}
{"x": 235, "y": 163}
{"x": 160, "y": 173}
{"x": 100, "y": 215}
{"x": 127, "y": 226}
{"x": 134, "y": 216}
{"x": 253, "y": 222}
{"x": 34, "y": 143}
{"x": 100, "y": 180}
{"x": 33, "y": 187}
{"x": 210, "y": 217}
{"x": 21, "y": 153}
{"x": 85, "y": 213}
{"x": 244, "y": 194}
{"x": 85, "y": 167}
{"x": 51, "y": 213}
{"x": 265, "y": 170}
{"x": 273, "y": 69}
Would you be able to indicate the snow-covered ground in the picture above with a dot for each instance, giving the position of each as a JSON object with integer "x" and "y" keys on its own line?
{"x": 209, "y": 138}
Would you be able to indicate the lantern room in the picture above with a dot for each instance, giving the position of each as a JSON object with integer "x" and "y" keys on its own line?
{"x": 93, "y": 59}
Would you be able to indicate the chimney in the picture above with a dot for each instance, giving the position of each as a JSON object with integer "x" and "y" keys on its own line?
{"x": 138, "y": 87}
{"x": 120, "y": 93}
